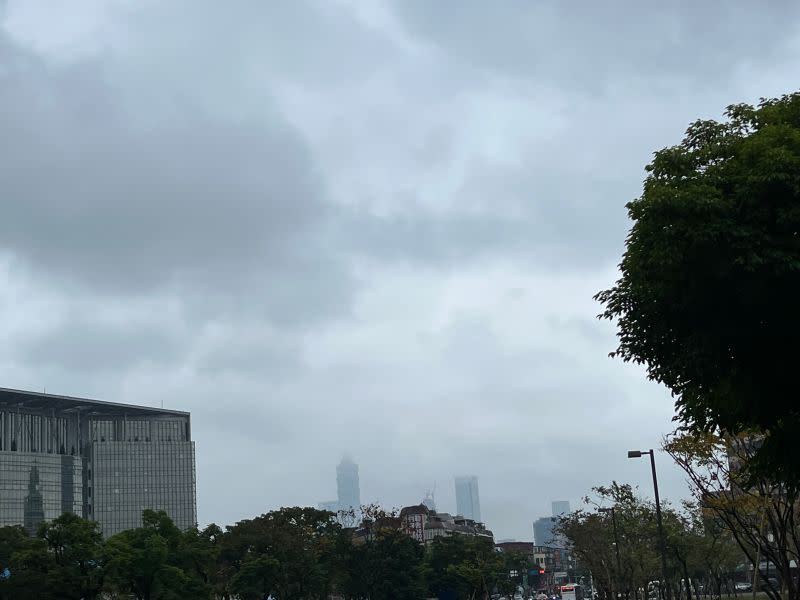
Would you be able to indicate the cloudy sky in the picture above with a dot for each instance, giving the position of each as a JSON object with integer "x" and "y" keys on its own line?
{"x": 362, "y": 226}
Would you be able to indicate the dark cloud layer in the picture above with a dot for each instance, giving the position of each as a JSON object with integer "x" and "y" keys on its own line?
{"x": 590, "y": 46}
{"x": 126, "y": 204}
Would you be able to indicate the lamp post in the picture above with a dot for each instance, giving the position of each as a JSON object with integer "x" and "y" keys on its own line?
{"x": 616, "y": 540}
{"x": 661, "y": 539}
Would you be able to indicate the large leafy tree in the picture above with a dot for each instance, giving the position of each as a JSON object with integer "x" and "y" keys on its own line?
{"x": 63, "y": 561}
{"x": 289, "y": 553}
{"x": 22, "y": 562}
{"x": 707, "y": 298}
{"x": 463, "y": 567}
{"x": 74, "y": 548}
{"x": 152, "y": 562}
{"x": 511, "y": 576}
{"x": 386, "y": 566}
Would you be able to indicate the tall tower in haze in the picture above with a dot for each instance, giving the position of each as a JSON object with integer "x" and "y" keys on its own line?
{"x": 468, "y": 502}
{"x": 560, "y": 507}
{"x": 347, "y": 488}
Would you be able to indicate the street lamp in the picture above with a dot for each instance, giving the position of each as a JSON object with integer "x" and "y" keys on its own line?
{"x": 616, "y": 539}
{"x": 661, "y": 541}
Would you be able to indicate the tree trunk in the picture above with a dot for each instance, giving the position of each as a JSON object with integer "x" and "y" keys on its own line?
{"x": 687, "y": 581}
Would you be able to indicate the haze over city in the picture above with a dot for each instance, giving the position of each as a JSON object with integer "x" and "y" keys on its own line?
{"x": 354, "y": 228}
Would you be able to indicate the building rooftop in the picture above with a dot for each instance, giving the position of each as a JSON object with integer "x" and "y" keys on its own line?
{"x": 37, "y": 401}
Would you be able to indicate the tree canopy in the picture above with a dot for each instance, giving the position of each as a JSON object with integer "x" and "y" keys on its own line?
{"x": 707, "y": 298}
{"x": 696, "y": 550}
{"x": 293, "y": 553}
{"x": 758, "y": 513}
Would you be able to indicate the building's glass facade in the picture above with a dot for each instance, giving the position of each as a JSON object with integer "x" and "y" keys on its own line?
{"x": 560, "y": 507}
{"x": 468, "y": 501}
{"x": 106, "y": 462}
{"x": 38, "y": 487}
{"x": 347, "y": 485}
{"x": 129, "y": 477}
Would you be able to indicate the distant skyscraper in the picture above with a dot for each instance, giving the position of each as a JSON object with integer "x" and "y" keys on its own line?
{"x": 347, "y": 488}
{"x": 560, "y": 507}
{"x": 468, "y": 502}
{"x": 543, "y": 532}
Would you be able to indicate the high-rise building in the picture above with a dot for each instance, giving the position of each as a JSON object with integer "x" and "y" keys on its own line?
{"x": 560, "y": 507}
{"x": 347, "y": 485}
{"x": 468, "y": 503}
{"x": 543, "y": 532}
{"x": 100, "y": 460}
{"x": 348, "y": 492}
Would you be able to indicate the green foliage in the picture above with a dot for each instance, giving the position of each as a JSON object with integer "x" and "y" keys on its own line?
{"x": 462, "y": 567}
{"x": 73, "y": 546}
{"x": 26, "y": 559}
{"x": 155, "y": 561}
{"x": 694, "y": 550}
{"x": 387, "y": 566}
{"x": 711, "y": 273}
{"x": 288, "y": 554}
{"x": 756, "y": 514}
{"x": 512, "y": 567}
{"x": 61, "y": 562}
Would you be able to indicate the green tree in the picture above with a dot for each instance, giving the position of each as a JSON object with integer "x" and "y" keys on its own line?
{"x": 23, "y": 557}
{"x": 697, "y": 551}
{"x": 301, "y": 543}
{"x": 74, "y": 547}
{"x": 513, "y": 567}
{"x": 387, "y": 566}
{"x": 197, "y": 554}
{"x": 148, "y": 562}
{"x": 462, "y": 567}
{"x": 256, "y": 577}
{"x": 759, "y": 514}
{"x": 591, "y": 535}
{"x": 711, "y": 274}
{"x": 63, "y": 561}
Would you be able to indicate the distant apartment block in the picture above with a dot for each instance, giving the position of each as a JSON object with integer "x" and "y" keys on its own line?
{"x": 468, "y": 502}
{"x": 100, "y": 460}
{"x": 425, "y": 525}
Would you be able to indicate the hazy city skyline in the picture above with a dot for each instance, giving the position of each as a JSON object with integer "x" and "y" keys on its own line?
{"x": 365, "y": 227}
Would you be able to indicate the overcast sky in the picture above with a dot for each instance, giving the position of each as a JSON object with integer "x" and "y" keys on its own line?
{"x": 354, "y": 226}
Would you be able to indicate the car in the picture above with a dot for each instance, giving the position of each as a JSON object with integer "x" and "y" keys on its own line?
{"x": 743, "y": 586}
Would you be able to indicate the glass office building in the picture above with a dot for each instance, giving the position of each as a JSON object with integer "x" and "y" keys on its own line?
{"x": 104, "y": 461}
{"x": 468, "y": 502}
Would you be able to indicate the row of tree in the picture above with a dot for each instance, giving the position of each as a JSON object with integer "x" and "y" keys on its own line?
{"x": 287, "y": 554}
{"x": 739, "y": 519}
{"x": 620, "y": 548}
